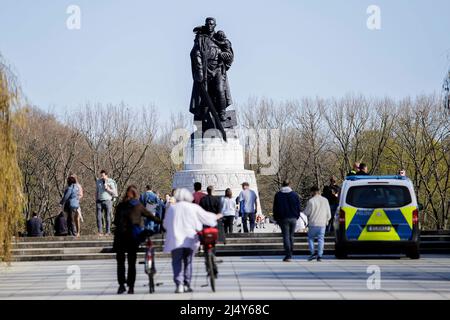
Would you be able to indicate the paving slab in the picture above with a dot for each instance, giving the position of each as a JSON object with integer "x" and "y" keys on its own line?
{"x": 257, "y": 277}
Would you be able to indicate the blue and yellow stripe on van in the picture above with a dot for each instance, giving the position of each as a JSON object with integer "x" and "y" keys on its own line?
{"x": 357, "y": 221}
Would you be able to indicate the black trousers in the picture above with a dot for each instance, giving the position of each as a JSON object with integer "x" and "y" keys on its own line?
{"x": 251, "y": 217}
{"x": 287, "y": 229}
{"x": 228, "y": 224}
{"x": 131, "y": 257}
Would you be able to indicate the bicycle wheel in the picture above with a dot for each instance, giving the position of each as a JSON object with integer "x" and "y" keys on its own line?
{"x": 151, "y": 282}
{"x": 152, "y": 273}
{"x": 212, "y": 278}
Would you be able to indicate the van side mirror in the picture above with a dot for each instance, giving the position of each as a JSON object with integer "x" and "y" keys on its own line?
{"x": 420, "y": 207}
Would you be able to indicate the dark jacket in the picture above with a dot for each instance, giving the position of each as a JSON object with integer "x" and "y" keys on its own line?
{"x": 61, "y": 225}
{"x": 35, "y": 227}
{"x": 362, "y": 173}
{"x": 328, "y": 193}
{"x": 129, "y": 214}
{"x": 286, "y": 204}
{"x": 211, "y": 204}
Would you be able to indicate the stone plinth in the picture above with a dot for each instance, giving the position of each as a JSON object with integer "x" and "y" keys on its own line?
{"x": 217, "y": 163}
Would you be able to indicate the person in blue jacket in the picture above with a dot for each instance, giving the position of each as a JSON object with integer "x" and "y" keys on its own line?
{"x": 71, "y": 204}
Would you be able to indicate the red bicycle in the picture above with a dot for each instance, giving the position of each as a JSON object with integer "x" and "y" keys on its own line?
{"x": 208, "y": 238}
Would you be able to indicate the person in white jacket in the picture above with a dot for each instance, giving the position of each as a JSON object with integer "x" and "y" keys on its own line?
{"x": 318, "y": 213}
{"x": 182, "y": 222}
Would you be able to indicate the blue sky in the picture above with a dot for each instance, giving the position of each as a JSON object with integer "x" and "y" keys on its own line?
{"x": 138, "y": 51}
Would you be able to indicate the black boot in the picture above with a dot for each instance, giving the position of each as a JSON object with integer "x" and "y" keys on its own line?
{"x": 122, "y": 289}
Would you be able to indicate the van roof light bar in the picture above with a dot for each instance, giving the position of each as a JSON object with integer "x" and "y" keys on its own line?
{"x": 391, "y": 177}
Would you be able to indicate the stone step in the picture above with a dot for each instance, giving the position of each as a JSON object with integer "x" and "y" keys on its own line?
{"x": 271, "y": 252}
{"x": 69, "y": 242}
{"x": 108, "y": 249}
{"x": 424, "y": 235}
{"x": 220, "y": 247}
{"x": 99, "y": 243}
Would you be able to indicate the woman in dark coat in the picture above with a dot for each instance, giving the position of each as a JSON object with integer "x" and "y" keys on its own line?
{"x": 128, "y": 221}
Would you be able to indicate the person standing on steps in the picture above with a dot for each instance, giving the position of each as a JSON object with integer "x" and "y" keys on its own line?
{"x": 354, "y": 170}
{"x": 286, "y": 211}
{"x": 198, "y": 194}
{"x": 71, "y": 204}
{"x": 78, "y": 217}
{"x": 228, "y": 211}
{"x": 248, "y": 206}
{"x": 106, "y": 192}
{"x": 363, "y": 170}
{"x": 331, "y": 192}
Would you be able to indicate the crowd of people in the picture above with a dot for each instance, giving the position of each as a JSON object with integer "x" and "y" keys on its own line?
{"x": 181, "y": 215}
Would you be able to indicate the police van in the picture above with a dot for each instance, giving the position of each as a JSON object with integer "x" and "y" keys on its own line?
{"x": 377, "y": 214}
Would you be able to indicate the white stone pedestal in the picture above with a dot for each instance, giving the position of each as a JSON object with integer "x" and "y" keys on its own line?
{"x": 217, "y": 163}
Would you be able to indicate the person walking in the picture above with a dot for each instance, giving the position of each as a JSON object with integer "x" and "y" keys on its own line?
{"x": 286, "y": 211}
{"x": 331, "y": 192}
{"x": 71, "y": 204}
{"x": 228, "y": 211}
{"x": 248, "y": 206}
{"x": 106, "y": 191}
{"x": 182, "y": 222}
{"x": 34, "y": 226}
{"x": 128, "y": 234}
{"x": 198, "y": 194}
{"x": 318, "y": 213}
{"x": 212, "y": 203}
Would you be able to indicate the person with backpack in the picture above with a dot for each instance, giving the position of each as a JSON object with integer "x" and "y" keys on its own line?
{"x": 286, "y": 211}
{"x": 128, "y": 234}
{"x": 106, "y": 192}
{"x": 150, "y": 201}
{"x": 70, "y": 203}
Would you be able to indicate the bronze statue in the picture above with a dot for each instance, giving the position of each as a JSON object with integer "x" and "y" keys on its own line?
{"x": 211, "y": 57}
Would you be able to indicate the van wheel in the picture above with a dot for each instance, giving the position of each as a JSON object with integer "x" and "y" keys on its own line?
{"x": 413, "y": 252}
{"x": 340, "y": 252}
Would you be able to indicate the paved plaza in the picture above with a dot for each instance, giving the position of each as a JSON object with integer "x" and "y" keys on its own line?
{"x": 257, "y": 278}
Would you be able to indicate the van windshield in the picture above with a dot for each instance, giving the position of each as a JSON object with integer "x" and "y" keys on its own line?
{"x": 378, "y": 196}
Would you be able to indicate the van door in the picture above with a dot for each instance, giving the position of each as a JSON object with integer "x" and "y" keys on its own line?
{"x": 378, "y": 213}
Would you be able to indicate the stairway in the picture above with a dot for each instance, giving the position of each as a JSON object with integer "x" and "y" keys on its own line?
{"x": 238, "y": 244}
